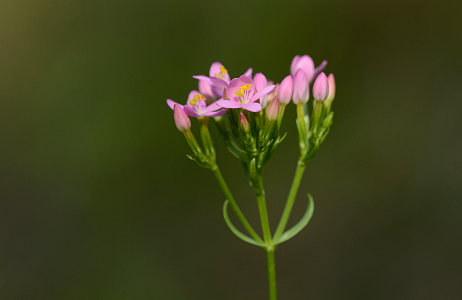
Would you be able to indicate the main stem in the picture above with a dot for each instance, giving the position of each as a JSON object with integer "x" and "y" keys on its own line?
{"x": 271, "y": 274}
{"x": 234, "y": 205}
{"x": 272, "y": 291}
{"x": 290, "y": 199}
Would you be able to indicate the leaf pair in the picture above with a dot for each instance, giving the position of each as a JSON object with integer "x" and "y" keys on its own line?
{"x": 283, "y": 237}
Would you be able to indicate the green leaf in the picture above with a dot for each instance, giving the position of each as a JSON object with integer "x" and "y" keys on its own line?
{"x": 234, "y": 230}
{"x": 300, "y": 225}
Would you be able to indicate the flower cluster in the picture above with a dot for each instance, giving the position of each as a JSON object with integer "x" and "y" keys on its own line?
{"x": 248, "y": 111}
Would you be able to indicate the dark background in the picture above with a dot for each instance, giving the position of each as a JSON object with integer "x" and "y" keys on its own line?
{"x": 97, "y": 198}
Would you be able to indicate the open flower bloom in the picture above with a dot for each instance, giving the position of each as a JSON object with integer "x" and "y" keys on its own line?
{"x": 242, "y": 94}
{"x": 196, "y": 106}
{"x": 217, "y": 81}
{"x": 306, "y": 64}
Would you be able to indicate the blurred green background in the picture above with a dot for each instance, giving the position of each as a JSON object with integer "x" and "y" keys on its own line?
{"x": 97, "y": 198}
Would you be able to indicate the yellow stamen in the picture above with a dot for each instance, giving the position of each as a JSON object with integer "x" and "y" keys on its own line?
{"x": 242, "y": 90}
{"x": 222, "y": 72}
{"x": 196, "y": 99}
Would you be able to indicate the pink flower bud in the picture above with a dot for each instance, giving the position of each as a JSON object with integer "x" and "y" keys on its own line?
{"x": 182, "y": 121}
{"x": 244, "y": 122}
{"x": 260, "y": 81}
{"x": 321, "y": 87}
{"x": 304, "y": 63}
{"x": 273, "y": 109}
{"x": 286, "y": 90}
{"x": 331, "y": 80}
{"x": 301, "y": 88}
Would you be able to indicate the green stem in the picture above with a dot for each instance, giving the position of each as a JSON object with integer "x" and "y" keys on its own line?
{"x": 234, "y": 205}
{"x": 271, "y": 274}
{"x": 263, "y": 211}
{"x": 290, "y": 199}
{"x": 267, "y": 236}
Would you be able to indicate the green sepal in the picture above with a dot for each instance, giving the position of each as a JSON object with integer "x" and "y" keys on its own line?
{"x": 236, "y": 232}
{"x": 300, "y": 225}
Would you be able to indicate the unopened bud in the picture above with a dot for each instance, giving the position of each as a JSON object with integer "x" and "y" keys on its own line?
{"x": 301, "y": 88}
{"x": 182, "y": 121}
{"x": 321, "y": 87}
{"x": 331, "y": 95}
{"x": 273, "y": 109}
{"x": 286, "y": 90}
{"x": 244, "y": 123}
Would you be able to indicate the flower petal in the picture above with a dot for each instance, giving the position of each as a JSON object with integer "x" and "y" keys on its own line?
{"x": 190, "y": 111}
{"x": 262, "y": 92}
{"x": 219, "y": 83}
{"x": 204, "y": 78}
{"x": 172, "y": 103}
{"x": 213, "y": 107}
{"x": 191, "y": 95}
{"x": 217, "y": 70}
{"x": 249, "y": 72}
{"x": 254, "y": 107}
{"x": 215, "y": 113}
{"x": 228, "y": 104}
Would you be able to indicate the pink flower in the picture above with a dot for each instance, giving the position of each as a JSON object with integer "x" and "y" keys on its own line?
{"x": 301, "y": 88}
{"x": 321, "y": 87}
{"x": 286, "y": 90}
{"x": 182, "y": 121}
{"x": 242, "y": 94}
{"x": 196, "y": 106}
{"x": 212, "y": 87}
{"x": 306, "y": 64}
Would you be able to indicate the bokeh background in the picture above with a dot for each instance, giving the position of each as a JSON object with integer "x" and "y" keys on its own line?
{"x": 97, "y": 198}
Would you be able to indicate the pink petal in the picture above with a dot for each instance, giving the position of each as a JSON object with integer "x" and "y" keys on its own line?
{"x": 172, "y": 103}
{"x": 254, "y": 107}
{"x": 215, "y": 113}
{"x": 204, "y": 78}
{"x": 214, "y": 106}
{"x": 228, "y": 104}
{"x": 263, "y": 92}
{"x": 260, "y": 81}
{"x": 219, "y": 83}
{"x": 190, "y": 111}
{"x": 191, "y": 95}
{"x": 215, "y": 70}
{"x": 249, "y": 72}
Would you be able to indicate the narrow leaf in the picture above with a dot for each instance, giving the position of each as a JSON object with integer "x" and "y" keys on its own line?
{"x": 300, "y": 225}
{"x": 234, "y": 230}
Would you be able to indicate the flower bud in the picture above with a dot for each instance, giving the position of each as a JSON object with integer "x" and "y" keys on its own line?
{"x": 260, "y": 81}
{"x": 182, "y": 121}
{"x": 244, "y": 122}
{"x": 331, "y": 80}
{"x": 286, "y": 90}
{"x": 304, "y": 63}
{"x": 301, "y": 88}
{"x": 321, "y": 87}
{"x": 273, "y": 109}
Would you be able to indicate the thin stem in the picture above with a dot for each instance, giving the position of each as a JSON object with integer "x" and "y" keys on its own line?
{"x": 267, "y": 236}
{"x": 271, "y": 274}
{"x": 234, "y": 205}
{"x": 263, "y": 211}
{"x": 290, "y": 199}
